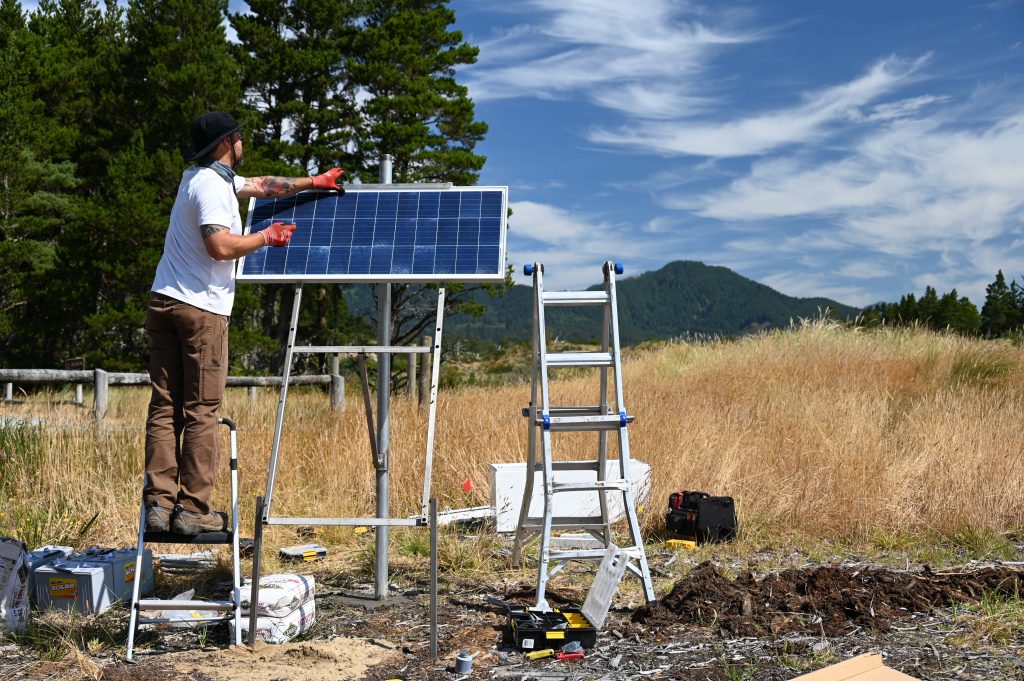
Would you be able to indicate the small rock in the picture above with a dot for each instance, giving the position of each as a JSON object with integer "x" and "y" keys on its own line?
{"x": 821, "y": 646}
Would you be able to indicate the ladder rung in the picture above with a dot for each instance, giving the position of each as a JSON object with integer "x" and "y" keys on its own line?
{"x": 569, "y": 466}
{"x": 610, "y": 422}
{"x": 580, "y": 522}
{"x": 616, "y": 485}
{"x": 174, "y": 604}
{"x": 579, "y": 359}
{"x": 189, "y": 621}
{"x": 591, "y": 554}
{"x": 566, "y": 298}
{"x": 573, "y": 411}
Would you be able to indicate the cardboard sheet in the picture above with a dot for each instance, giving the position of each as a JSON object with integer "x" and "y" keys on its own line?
{"x": 861, "y": 668}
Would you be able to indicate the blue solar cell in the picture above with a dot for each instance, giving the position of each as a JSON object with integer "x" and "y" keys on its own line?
{"x": 296, "y": 261}
{"x": 338, "y": 261}
{"x": 389, "y": 235}
{"x": 275, "y": 259}
{"x": 321, "y": 233}
{"x": 317, "y": 262}
{"x": 489, "y": 258}
{"x": 359, "y": 261}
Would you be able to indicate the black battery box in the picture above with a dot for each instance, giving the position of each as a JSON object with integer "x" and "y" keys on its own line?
{"x": 701, "y": 517}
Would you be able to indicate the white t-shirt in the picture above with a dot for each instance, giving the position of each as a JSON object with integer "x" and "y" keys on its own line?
{"x": 186, "y": 271}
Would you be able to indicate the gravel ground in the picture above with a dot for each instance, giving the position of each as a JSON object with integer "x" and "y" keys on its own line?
{"x": 709, "y": 627}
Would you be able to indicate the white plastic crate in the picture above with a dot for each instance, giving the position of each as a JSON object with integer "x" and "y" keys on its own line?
{"x": 508, "y": 481}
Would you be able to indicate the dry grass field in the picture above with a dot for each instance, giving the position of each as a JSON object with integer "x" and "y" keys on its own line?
{"x": 894, "y": 447}
{"x": 819, "y": 432}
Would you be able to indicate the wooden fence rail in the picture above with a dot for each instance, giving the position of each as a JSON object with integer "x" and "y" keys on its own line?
{"x": 101, "y": 379}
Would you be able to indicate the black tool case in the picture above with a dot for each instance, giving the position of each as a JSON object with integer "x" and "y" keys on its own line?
{"x": 701, "y": 517}
{"x": 537, "y": 630}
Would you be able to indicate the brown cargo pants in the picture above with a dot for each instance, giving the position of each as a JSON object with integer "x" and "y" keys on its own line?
{"x": 188, "y": 353}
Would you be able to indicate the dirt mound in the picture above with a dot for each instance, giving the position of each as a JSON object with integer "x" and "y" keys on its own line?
{"x": 829, "y": 600}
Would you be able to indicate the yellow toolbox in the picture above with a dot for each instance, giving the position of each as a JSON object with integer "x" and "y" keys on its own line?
{"x": 536, "y": 630}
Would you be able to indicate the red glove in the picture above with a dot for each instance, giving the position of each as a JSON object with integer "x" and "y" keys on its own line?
{"x": 329, "y": 180}
{"x": 278, "y": 234}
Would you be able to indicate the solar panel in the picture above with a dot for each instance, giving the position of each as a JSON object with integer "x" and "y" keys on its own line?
{"x": 383, "y": 235}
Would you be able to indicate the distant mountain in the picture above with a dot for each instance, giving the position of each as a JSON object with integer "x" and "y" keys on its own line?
{"x": 683, "y": 297}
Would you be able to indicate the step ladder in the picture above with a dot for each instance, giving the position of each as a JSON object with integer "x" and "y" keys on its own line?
{"x": 545, "y": 419}
{"x": 230, "y": 609}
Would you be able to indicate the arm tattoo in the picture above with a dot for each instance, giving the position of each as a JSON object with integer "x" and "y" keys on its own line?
{"x": 210, "y": 230}
{"x": 272, "y": 186}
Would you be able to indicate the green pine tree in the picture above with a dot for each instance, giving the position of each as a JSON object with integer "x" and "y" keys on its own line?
{"x": 998, "y": 312}
{"x": 294, "y": 56}
{"x": 957, "y": 313}
{"x": 37, "y": 184}
{"x": 407, "y": 54}
{"x": 166, "y": 63}
{"x": 416, "y": 111}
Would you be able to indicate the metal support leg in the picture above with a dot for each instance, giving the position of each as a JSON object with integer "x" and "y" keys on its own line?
{"x": 279, "y": 424}
{"x": 236, "y": 575}
{"x": 435, "y": 378}
{"x": 254, "y": 591}
{"x": 133, "y": 619}
{"x": 433, "y": 579}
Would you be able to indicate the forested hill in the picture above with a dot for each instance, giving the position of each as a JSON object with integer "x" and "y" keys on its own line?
{"x": 683, "y": 297}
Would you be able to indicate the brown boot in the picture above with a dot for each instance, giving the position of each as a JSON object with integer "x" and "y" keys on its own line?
{"x": 191, "y": 524}
{"x": 158, "y": 518}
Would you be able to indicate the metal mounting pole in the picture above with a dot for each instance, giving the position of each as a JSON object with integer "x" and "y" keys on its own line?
{"x": 433, "y": 579}
{"x": 380, "y": 588}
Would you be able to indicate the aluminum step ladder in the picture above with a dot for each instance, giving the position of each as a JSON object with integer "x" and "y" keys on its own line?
{"x": 230, "y": 608}
{"x": 545, "y": 419}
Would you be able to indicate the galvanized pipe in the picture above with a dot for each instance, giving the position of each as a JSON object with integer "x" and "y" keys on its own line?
{"x": 380, "y": 586}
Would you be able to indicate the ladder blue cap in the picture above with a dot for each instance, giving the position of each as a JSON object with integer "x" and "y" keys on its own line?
{"x": 528, "y": 269}
{"x": 622, "y": 419}
{"x": 619, "y": 269}
{"x": 547, "y": 422}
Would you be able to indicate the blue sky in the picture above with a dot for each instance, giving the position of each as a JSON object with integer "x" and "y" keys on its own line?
{"x": 856, "y": 150}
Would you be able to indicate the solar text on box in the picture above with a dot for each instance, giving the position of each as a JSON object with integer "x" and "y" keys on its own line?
{"x": 387, "y": 235}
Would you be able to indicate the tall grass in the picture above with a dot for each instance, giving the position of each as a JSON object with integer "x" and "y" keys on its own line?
{"x": 818, "y": 430}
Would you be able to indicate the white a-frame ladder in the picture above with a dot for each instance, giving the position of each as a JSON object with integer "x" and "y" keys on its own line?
{"x": 604, "y": 417}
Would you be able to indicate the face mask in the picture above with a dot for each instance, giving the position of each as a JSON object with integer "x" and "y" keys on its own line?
{"x": 226, "y": 173}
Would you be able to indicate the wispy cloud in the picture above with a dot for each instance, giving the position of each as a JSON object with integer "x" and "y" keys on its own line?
{"x": 907, "y": 181}
{"x": 764, "y": 132}
{"x": 572, "y": 245}
{"x": 640, "y": 57}
{"x": 931, "y": 188}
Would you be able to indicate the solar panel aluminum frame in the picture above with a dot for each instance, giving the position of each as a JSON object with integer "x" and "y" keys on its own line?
{"x": 496, "y": 277}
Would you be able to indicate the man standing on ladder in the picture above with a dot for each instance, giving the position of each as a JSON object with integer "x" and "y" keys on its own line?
{"x": 187, "y": 321}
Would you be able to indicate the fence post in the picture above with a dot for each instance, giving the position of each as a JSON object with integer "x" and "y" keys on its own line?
{"x": 334, "y": 362}
{"x": 253, "y": 391}
{"x": 99, "y": 400}
{"x": 337, "y": 392}
{"x": 425, "y": 372}
{"x": 9, "y": 391}
{"x": 76, "y": 364}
